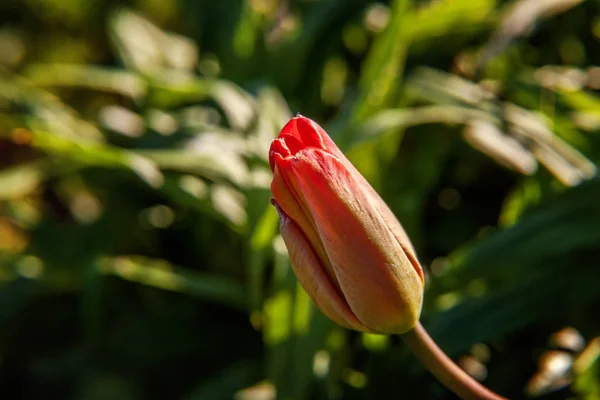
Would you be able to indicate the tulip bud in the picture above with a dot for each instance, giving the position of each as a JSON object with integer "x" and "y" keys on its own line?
{"x": 347, "y": 249}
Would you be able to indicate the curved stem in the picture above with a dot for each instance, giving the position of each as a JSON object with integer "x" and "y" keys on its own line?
{"x": 443, "y": 368}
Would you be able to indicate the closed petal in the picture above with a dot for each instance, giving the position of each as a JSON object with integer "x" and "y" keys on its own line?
{"x": 376, "y": 276}
{"x": 312, "y": 276}
{"x": 308, "y": 134}
{"x": 390, "y": 219}
{"x": 289, "y": 199}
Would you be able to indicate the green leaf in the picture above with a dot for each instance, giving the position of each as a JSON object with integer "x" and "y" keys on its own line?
{"x": 163, "y": 275}
{"x": 525, "y": 273}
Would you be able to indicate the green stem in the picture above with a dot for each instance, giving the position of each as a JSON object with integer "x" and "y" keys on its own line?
{"x": 443, "y": 368}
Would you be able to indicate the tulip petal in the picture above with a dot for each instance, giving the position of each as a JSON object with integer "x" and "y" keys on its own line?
{"x": 289, "y": 200}
{"x": 292, "y": 142}
{"x": 278, "y": 149}
{"x": 312, "y": 277}
{"x": 310, "y": 134}
{"x": 390, "y": 219}
{"x": 377, "y": 278}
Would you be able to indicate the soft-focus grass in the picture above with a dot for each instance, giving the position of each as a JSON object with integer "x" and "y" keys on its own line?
{"x": 139, "y": 255}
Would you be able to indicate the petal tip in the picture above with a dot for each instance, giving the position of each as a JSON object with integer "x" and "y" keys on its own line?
{"x": 301, "y": 132}
{"x": 279, "y": 148}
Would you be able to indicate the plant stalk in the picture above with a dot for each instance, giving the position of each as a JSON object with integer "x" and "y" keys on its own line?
{"x": 443, "y": 368}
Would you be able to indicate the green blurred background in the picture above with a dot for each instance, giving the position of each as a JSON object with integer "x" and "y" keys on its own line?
{"x": 139, "y": 254}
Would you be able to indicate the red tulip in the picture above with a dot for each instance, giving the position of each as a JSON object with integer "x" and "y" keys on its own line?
{"x": 347, "y": 249}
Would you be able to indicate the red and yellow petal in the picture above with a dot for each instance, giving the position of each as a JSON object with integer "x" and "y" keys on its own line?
{"x": 312, "y": 276}
{"x": 291, "y": 201}
{"x": 378, "y": 280}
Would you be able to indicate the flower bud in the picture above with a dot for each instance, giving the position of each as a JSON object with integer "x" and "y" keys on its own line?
{"x": 347, "y": 249}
